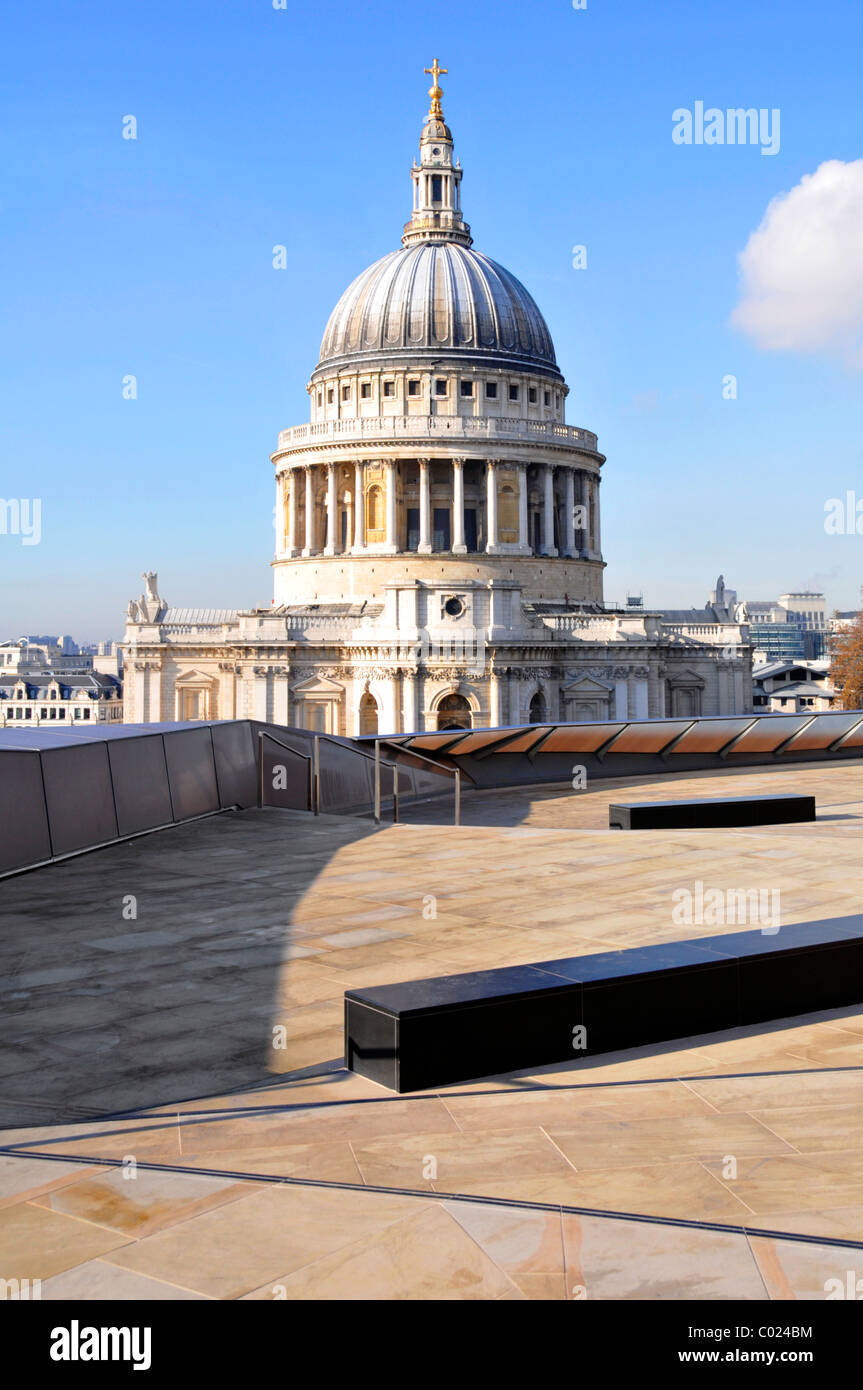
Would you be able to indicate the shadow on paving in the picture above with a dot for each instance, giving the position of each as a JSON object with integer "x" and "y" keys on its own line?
{"x": 103, "y": 1011}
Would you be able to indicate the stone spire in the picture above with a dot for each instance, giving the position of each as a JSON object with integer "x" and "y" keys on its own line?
{"x": 436, "y": 179}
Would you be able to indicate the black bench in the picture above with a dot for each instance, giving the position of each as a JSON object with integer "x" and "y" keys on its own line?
{"x": 703, "y": 812}
{"x": 428, "y": 1033}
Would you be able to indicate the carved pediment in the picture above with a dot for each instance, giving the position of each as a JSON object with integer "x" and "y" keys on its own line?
{"x": 318, "y": 685}
{"x": 198, "y": 678}
{"x": 587, "y": 686}
{"x": 686, "y": 677}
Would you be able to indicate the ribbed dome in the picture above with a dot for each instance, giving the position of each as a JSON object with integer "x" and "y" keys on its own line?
{"x": 433, "y": 299}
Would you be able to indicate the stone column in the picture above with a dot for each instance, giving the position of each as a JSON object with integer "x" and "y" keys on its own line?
{"x": 425, "y": 509}
{"x": 514, "y": 703}
{"x": 523, "y": 539}
{"x": 458, "y": 545}
{"x": 581, "y": 529}
{"x": 332, "y": 510}
{"x": 568, "y": 512}
{"x": 280, "y": 698}
{"x": 292, "y": 513}
{"x": 281, "y": 485}
{"x": 309, "y": 546}
{"x": 494, "y": 699}
{"x": 548, "y": 513}
{"x": 410, "y": 724}
{"x": 359, "y": 536}
{"x": 621, "y": 707}
{"x": 491, "y": 506}
{"x": 597, "y": 538}
{"x": 139, "y": 708}
{"x": 391, "y": 541}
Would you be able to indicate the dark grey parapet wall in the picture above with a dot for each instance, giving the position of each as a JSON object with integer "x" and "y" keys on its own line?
{"x": 650, "y": 747}
{"x": 63, "y": 792}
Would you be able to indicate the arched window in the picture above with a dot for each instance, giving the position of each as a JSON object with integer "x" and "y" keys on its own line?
{"x": 507, "y": 515}
{"x": 454, "y": 713}
{"x": 536, "y": 711}
{"x": 375, "y": 509}
{"x": 368, "y": 714}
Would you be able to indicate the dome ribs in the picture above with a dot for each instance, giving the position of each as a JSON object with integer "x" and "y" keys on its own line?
{"x": 438, "y": 297}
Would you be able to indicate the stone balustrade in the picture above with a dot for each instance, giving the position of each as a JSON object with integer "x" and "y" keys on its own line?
{"x": 449, "y": 428}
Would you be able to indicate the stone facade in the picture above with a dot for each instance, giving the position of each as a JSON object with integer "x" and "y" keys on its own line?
{"x": 438, "y": 557}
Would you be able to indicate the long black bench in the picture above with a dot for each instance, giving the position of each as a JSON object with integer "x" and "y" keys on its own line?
{"x": 706, "y": 812}
{"x": 427, "y": 1033}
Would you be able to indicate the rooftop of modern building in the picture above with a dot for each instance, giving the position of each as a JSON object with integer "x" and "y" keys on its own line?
{"x": 262, "y": 1166}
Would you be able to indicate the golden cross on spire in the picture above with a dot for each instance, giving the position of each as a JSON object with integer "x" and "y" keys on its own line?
{"x": 435, "y": 92}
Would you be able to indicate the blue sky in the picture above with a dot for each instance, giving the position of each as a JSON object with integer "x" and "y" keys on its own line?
{"x": 260, "y": 126}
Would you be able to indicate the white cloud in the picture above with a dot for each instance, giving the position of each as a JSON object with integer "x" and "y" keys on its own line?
{"x": 802, "y": 269}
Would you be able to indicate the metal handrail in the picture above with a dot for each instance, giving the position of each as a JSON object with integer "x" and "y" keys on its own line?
{"x": 423, "y": 758}
{"x": 262, "y": 734}
{"x": 351, "y": 748}
{"x": 314, "y": 762}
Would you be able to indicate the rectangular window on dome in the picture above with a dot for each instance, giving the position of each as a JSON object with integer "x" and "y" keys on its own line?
{"x": 548, "y": 398}
{"x": 437, "y": 188}
{"x": 440, "y": 386}
{"x": 389, "y": 388}
{"x": 513, "y": 392}
{"x": 531, "y": 395}
{"x": 366, "y": 390}
{"x": 346, "y": 393}
{"x": 413, "y": 388}
{"x": 491, "y": 390}
{"x": 467, "y": 388}
{"x": 330, "y": 396}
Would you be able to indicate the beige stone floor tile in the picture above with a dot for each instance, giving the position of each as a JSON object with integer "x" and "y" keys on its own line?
{"x": 203, "y": 1136}
{"x": 771, "y": 1185}
{"x": 543, "y": 1288}
{"x": 142, "y": 1204}
{"x": 622, "y": 1143}
{"x": 36, "y": 1243}
{"x": 837, "y": 1223}
{"x": 572, "y": 1106}
{"x": 425, "y": 1256}
{"x": 328, "y": 1162}
{"x": 663, "y": 1062}
{"x": 448, "y": 1160}
{"x": 831, "y": 1051}
{"x": 96, "y": 1281}
{"x": 339, "y": 1084}
{"x": 263, "y": 1238}
{"x": 519, "y": 1241}
{"x": 673, "y": 1189}
{"x": 23, "y": 1179}
{"x": 771, "y": 1092}
{"x": 814, "y": 1128}
{"x": 610, "y": 1259}
{"x": 794, "y": 1270}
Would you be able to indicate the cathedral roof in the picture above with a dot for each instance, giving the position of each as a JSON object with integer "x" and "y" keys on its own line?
{"x": 432, "y": 299}
{"x": 436, "y": 296}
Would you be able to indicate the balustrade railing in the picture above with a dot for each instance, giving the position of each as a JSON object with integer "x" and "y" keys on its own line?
{"x": 431, "y": 426}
